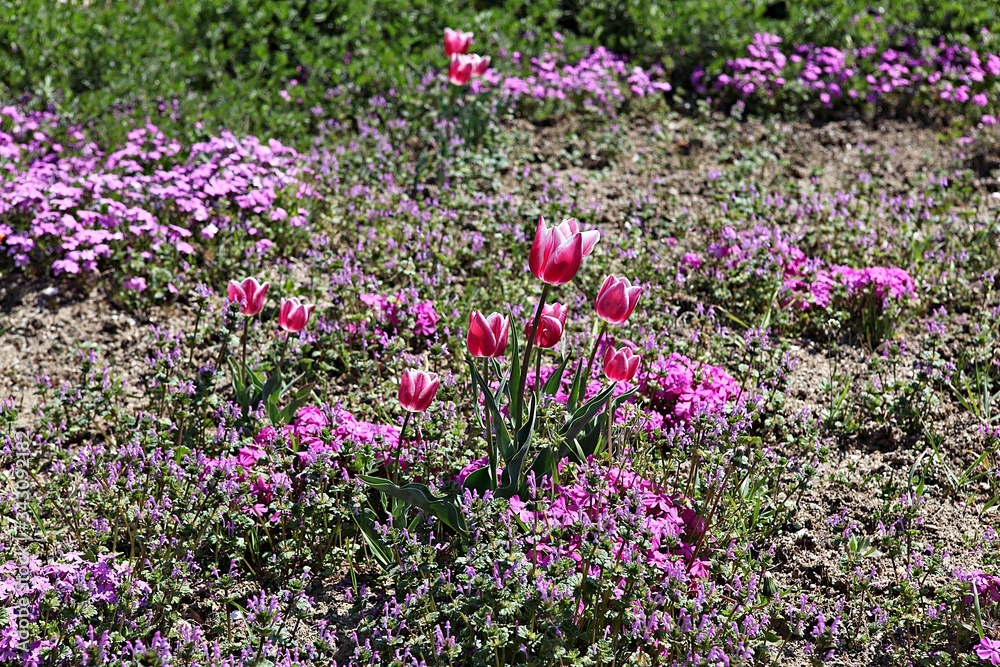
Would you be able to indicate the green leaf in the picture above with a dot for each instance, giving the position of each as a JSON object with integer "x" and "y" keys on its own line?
{"x": 543, "y": 463}
{"x": 300, "y": 398}
{"x": 239, "y": 384}
{"x": 419, "y": 496}
{"x": 272, "y": 386}
{"x": 478, "y": 480}
{"x": 366, "y": 523}
{"x": 257, "y": 379}
{"x": 511, "y": 482}
{"x": 274, "y": 411}
{"x": 499, "y": 425}
{"x": 586, "y": 413}
{"x": 576, "y": 388}
{"x": 589, "y": 443}
{"x": 989, "y": 504}
{"x": 555, "y": 380}
{"x": 515, "y": 358}
{"x": 622, "y": 397}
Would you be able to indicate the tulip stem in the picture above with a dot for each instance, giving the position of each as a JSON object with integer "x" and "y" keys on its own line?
{"x": 243, "y": 344}
{"x": 611, "y": 421}
{"x": 593, "y": 351}
{"x": 399, "y": 447}
{"x": 284, "y": 347}
{"x": 519, "y": 404}
{"x": 538, "y": 372}
{"x": 490, "y": 449}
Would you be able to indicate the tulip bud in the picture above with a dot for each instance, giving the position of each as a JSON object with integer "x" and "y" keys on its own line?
{"x": 557, "y": 252}
{"x": 770, "y": 586}
{"x": 616, "y": 300}
{"x": 293, "y": 315}
{"x": 620, "y": 365}
{"x": 456, "y": 42}
{"x": 249, "y": 294}
{"x": 487, "y": 335}
{"x": 550, "y": 326}
{"x": 417, "y": 390}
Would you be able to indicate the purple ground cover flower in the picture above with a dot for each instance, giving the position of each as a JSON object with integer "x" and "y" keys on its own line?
{"x": 988, "y": 650}
{"x": 673, "y": 527}
{"x": 72, "y": 206}
{"x": 954, "y": 74}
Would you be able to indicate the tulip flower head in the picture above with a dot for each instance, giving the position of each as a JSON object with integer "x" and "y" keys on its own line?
{"x": 480, "y": 64}
{"x": 456, "y": 42}
{"x": 249, "y": 293}
{"x": 293, "y": 315}
{"x": 487, "y": 335}
{"x": 417, "y": 390}
{"x": 557, "y": 252}
{"x": 463, "y": 67}
{"x": 616, "y": 300}
{"x": 621, "y": 365}
{"x": 550, "y": 326}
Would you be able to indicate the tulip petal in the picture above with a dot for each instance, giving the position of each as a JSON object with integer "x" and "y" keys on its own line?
{"x": 564, "y": 261}
{"x": 537, "y": 257}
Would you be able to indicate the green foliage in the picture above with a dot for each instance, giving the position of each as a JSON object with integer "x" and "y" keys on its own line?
{"x": 227, "y": 62}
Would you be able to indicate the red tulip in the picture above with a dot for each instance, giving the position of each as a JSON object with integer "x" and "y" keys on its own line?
{"x": 249, "y": 294}
{"x": 293, "y": 315}
{"x": 621, "y": 365}
{"x": 417, "y": 389}
{"x": 616, "y": 300}
{"x": 550, "y": 326}
{"x": 456, "y": 42}
{"x": 487, "y": 335}
{"x": 557, "y": 252}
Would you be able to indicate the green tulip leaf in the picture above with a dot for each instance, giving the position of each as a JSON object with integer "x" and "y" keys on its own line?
{"x": 419, "y": 496}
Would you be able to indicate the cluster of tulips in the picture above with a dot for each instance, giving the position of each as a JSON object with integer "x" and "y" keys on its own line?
{"x": 463, "y": 66}
{"x": 556, "y": 256}
{"x": 251, "y": 294}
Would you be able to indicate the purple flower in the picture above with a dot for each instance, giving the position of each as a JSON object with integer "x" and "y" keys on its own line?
{"x": 134, "y": 284}
{"x": 988, "y": 650}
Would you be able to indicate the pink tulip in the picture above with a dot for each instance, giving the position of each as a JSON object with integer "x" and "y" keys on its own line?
{"x": 616, "y": 300}
{"x": 487, "y": 335}
{"x": 621, "y": 365}
{"x": 550, "y": 326}
{"x": 557, "y": 252}
{"x": 293, "y": 315}
{"x": 480, "y": 65}
{"x": 417, "y": 390}
{"x": 456, "y": 42}
{"x": 460, "y": 70}
{"x": 590, "y": 239}
{"x": 463, "y": 67}
{"x": 249, "y": 294}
